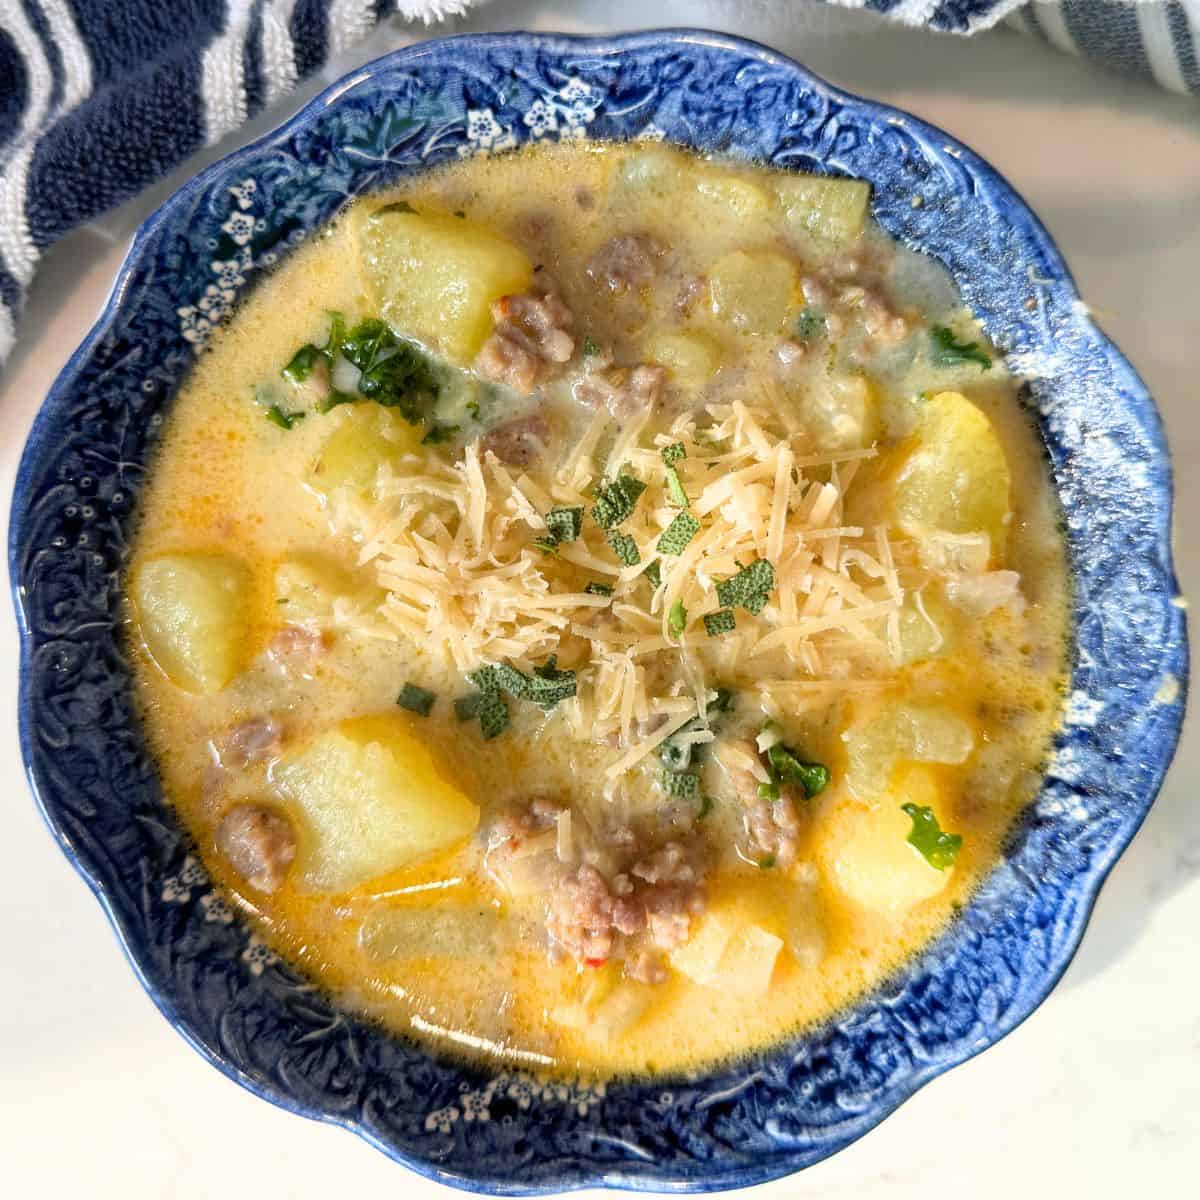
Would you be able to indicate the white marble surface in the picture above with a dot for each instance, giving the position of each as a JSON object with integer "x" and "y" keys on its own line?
{"x": 1097, "y": 1095}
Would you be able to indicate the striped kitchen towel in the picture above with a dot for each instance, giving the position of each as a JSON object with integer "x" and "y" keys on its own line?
{"x": 100, "y": 98}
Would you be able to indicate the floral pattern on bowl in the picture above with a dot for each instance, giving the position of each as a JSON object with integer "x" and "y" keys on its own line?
{"x": 504, "y": 1131}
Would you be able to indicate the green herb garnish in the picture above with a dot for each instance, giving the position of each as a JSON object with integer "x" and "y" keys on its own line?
{"x": 947, "y": 352}
{"x": 706, "y": 806}
{"x": 549, "y": 685}
{"x": 438, "y": 434}
{"x": 673, "y": 453}
{"x": 676, "y": 755}
{"x": 590, "y": 347}
{"x": 938, "y": 849}
{"x": 337, "y": 334}
{"x": 676, "y": 490}
{"x": 466, "y": 708}
{"x": 598, "y": 589}
{"x": 285, "y": 420}
{"x": 493, "y": 715}
{"x": 719, "y": 622}
{"x": 303, "y": 361}
{"x": 749, "y": 588}
{"x": 677, "y": 619}
{"x": 676, "y": 536}
{"x": 545, "y": 545}
{"x": 416, "y": 699}
{"x": 767, "y": 863}
{"x": 545, "y": 687}
{"x": 335, "y": 398}
{"x": 615, "y": 501}
{"x": 810, "y": 324}
{"x": 653, "y": 575}
{"x": 564, "y": 524}
{"x": 392, "y": 372}
{"x": 683, "y": 785}
{"x": 624, "y": 547}
{"x": 788, "y": 767}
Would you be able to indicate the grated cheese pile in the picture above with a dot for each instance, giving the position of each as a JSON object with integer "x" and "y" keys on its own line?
{"x": 452, "y": 545}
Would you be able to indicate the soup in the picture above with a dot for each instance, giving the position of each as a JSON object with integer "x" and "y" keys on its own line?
{"x": 600, "y": 608}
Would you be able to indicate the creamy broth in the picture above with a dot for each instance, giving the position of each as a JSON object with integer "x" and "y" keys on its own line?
{"x": 861, "y": 428}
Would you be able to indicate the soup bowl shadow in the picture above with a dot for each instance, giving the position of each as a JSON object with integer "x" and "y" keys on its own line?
{"x": 506, "y": 1130}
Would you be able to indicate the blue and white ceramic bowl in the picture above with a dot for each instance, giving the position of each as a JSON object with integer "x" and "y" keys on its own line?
{"x": 257, "y": 1019}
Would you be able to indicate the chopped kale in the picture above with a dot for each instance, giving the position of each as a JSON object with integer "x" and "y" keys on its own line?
{"x": 673, "y": 453}
{"x": 392, "y": 372}
{"x": 285, "y": 420}
{"x": 948, "y": 352}
{"x": 438, "y": 434}
{"x": 302, "y": 363}
{"x": 545, "y": 545}
{"x": 749, "y": 588}
{"x": 653, "y": 574}
{"x": 598, "y": 589}
{"x": 335, "y": 398}
{"x": 938, "y": 848}
{"x": 466, "y": 708}
{"x": 676, "y": 536}
{"x": 788, "y": 767}
{"x": 416, "y": 699}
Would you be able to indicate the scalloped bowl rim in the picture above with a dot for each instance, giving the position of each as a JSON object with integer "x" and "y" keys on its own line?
{"x": 577, "y": 1175}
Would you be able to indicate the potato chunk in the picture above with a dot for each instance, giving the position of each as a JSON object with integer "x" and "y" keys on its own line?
{"x": 609, "y": 1006}
{"x": 458, "y": 931}
{"x": 435, "y": 277}
{"x": 754, "y": 292}
{"x": 904, "y": 733}
{"x": 366, "y": 437}
{"x": 692, "y": 358}
{"x": 831, "y": 208}
{"x": 864, "y": 848}
{"x": 841, "y": 413}
{"x": 956, "y": 477}
{"x": 726, "y": 195}
{"x": 729, "y": 952}
{"x": 190, "y": 613}
{"x": 308, "y": 588}
{"x": 374, "y": 799}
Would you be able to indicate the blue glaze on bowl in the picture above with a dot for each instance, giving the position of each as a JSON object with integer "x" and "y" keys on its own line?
{"x": 258, "y": 1020}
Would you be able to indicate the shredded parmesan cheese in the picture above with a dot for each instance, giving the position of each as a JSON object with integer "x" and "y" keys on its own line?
{"x": 452, "y": 546}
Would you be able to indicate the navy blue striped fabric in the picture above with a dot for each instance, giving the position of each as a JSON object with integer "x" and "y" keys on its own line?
{"x": 100, "y": 98}
{"x": 1184, "y": 39}
{"x": 14, "y": 87}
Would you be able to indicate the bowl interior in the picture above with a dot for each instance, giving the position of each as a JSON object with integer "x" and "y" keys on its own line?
{"x": 507, "y": 1131}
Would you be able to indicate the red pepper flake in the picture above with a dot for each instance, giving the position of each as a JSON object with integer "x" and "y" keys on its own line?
{"x": 594, "y": 962}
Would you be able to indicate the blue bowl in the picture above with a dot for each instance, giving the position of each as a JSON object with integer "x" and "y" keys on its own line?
{"x": 262, "y": 1023}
